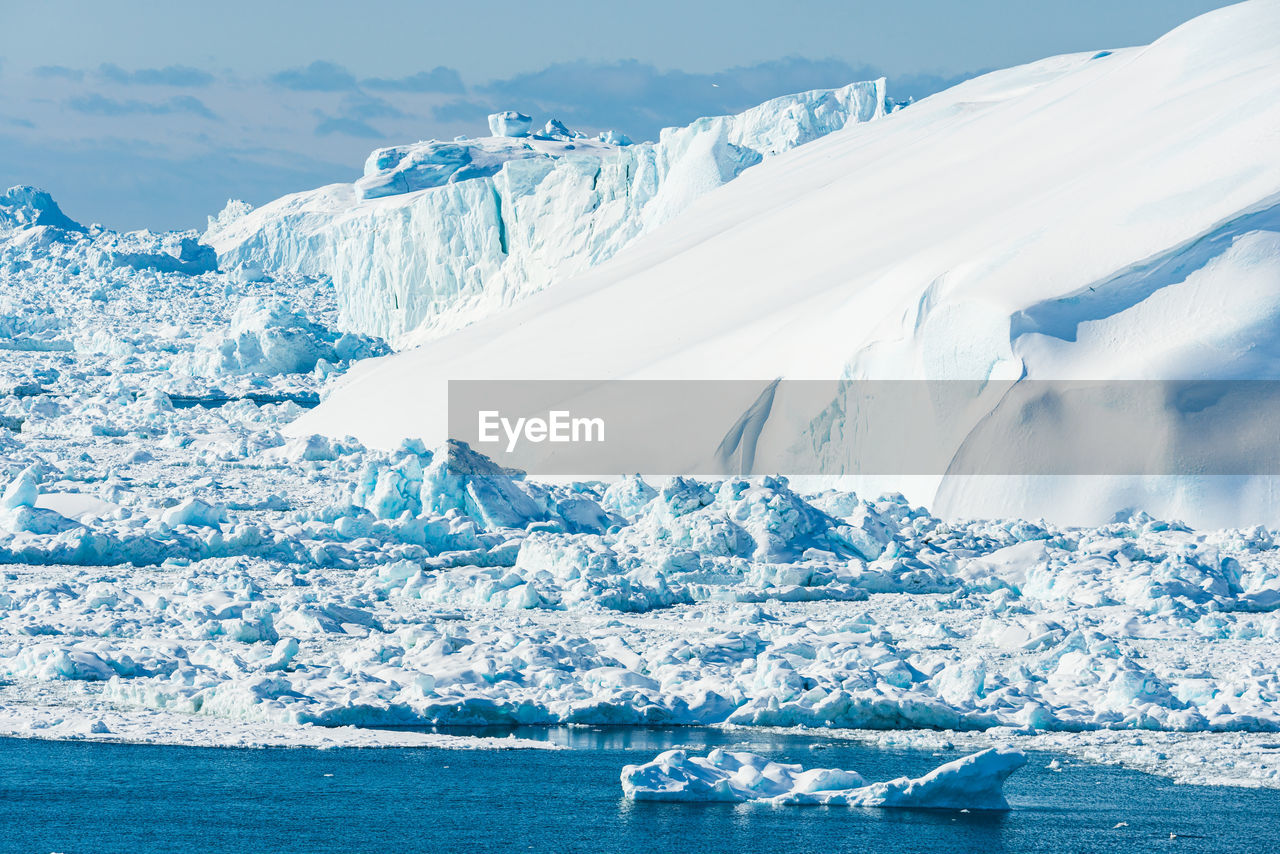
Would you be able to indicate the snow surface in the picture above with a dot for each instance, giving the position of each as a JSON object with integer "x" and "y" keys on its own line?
{"x": 1095, "y": 216}
{"x": 438, "y": 234}
{"x": 973, "y": 782}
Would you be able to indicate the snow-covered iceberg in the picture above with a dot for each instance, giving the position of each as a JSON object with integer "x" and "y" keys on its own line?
{"x": 437, "y": 234}
{"x": 975, "y": 782}
{"x": 24, "y": 207}
{"x": 1096, "y": 216}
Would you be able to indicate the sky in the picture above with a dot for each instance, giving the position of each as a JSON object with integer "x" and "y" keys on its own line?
{"x": 153, "y": 114}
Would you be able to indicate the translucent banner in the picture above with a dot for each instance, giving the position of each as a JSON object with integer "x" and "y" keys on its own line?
{"x": 803, "y": 427}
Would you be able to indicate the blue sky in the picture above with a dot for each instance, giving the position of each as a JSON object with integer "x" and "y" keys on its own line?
{"x": 153, "y": 114}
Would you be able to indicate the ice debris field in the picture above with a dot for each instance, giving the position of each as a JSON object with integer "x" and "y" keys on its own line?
{"x": 186, "y": 557}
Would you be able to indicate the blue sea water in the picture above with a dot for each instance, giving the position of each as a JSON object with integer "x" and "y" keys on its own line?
{"x": 102, "y": 798}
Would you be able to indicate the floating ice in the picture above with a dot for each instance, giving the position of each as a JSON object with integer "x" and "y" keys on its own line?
{"x": 555, "y": 129}
{"x": 194, "y": 512}
{"x": 975, "y": 782}
{"x": 144, "y": 250}
{"x": 613, "y": 137}
{"x": 22, "y": 491}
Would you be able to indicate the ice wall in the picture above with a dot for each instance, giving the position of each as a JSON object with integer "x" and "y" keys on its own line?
{"x": 437, "y": 234}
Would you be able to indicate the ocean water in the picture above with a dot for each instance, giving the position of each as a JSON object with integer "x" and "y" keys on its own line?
{"x": 102, "y": 798}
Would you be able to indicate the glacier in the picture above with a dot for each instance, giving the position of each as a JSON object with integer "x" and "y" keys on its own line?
{"x": 438, "y": 234}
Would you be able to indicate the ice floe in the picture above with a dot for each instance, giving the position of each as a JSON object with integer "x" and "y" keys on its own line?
{"x": 974, "y": 782}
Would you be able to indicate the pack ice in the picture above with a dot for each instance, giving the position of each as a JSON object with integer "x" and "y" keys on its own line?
{"x": 1106, "y": 215}
{"x": 973, "y": 782}
{"x": 437, "y": 234}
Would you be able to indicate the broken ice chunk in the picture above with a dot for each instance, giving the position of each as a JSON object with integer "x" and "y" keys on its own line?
{"x": 510, "y": 123}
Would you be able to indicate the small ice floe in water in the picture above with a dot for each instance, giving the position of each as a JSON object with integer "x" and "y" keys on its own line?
{"x": 1054, "y": 765}
{"x": 974, "y": 782}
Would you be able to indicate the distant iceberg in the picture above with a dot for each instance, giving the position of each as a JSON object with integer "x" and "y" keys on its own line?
{"x": 438, "y": 234}
{"x": 32, "y": 227}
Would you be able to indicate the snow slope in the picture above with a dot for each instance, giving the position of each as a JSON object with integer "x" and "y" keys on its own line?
{"x": 1108, "y": 215}
{"x": 437, "y": 234}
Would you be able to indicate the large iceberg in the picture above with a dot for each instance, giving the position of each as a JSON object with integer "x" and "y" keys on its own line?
{"x": 974, "y": 782}
{"x": 437, "y": 234}
{"x": 1098, "y": 216}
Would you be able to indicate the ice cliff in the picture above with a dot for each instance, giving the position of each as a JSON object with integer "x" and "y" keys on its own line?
{"x": 436, "y": 234}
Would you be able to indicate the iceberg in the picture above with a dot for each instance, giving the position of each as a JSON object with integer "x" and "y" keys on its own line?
{"x": 975, "y": 782}
{"x": 28, "y": 207}
{"x": 22, "y": 491}
{"x": 438, "y": 234}
{"x": 510, "y": 123}
{"x": 940, "y": 242}
{"x": 272, "y": 338}
{"x": 31, "y": 220}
